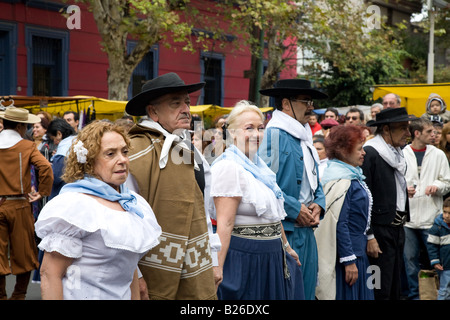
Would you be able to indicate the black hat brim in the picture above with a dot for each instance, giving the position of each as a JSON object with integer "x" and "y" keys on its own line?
{"x": 292, "y": 92}
{"x": 374, "y": 123}
{"x": 137, "y": 105}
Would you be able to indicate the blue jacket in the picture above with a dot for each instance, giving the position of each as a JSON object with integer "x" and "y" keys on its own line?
{"x": 351, "y": 226}
{"x": 438, "y": 243}
{"x": 283, "y": 154}
{"x": 58, "y": 167}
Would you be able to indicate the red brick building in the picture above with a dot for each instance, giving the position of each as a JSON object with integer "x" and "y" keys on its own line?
{"x": 41, "y": 56}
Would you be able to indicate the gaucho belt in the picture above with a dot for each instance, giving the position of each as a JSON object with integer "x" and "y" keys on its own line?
{"x": 261, "y": 231}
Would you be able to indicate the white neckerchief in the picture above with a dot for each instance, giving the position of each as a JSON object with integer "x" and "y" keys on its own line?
{"x": 179, "y": 140}
{"x": 303, "y": 132}
{"x": 9, "y": 138}
{"x": 394, "y": 157}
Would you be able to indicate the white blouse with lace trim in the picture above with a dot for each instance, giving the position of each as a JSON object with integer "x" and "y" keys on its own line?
{"x": 105, "y": 244}
{"x": 258, "y": 202}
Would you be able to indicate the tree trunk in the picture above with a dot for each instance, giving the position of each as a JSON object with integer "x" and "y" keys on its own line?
{"x": 119, "y": 76}
{"x": 109, "y": 17}
{"x": 275, "y": 64}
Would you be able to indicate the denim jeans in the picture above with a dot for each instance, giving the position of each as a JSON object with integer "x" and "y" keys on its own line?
{"x": 413, "y": 239}
{"x": 444, "y": 285}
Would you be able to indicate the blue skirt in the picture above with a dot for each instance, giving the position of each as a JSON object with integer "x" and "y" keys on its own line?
{"x": 358, "y": 291}
{"x": 255, "y": 270}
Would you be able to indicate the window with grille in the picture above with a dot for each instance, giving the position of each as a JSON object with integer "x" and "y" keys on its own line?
{"x": 8, "y": 58}
{"x": 144, "y": 71}
{"x": 47, "y": 58}
{"x": 213, "y": 72}
{"x": 47, "y": 74}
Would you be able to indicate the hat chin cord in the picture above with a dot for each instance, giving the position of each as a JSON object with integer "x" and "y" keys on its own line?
{"x": 292, "y": 108}
{"x": 390, "y": 135}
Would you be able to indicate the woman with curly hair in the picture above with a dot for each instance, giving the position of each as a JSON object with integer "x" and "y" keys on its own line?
{"x": 96, "y": 230}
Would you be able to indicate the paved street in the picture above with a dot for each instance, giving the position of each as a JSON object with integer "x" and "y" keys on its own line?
{"x": 34, "y": 289}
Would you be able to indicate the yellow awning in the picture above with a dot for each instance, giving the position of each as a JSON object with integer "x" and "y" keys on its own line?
{"x": 208, "y": 109}
{"x": 104, "y": 108}
{"x": 414, "y": 96}
{"x": 209, "y": 112}
{"x": 211, "y": 109}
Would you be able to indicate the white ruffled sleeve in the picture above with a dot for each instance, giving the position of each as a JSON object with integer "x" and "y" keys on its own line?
{"x": 225, "y": 182}
{"x": 230, "y": 179}
{"x": 227, "y": 179}
{"x": 63, "y": 238}
{"x": 58, "y": 234}
{"x": 69, "y": 217}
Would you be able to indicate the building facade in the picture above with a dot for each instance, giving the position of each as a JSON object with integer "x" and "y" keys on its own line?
{"x": 42, "y": 54}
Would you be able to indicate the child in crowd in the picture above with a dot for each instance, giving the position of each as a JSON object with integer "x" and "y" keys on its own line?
{"x": 439, "y": 250}
{"x": 436, "y": 109}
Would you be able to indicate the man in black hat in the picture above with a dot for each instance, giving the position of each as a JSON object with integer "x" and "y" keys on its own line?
{"x": 288, "y": 150}
{"x": 385, "y": 167}
{"x": 174, "y": 178}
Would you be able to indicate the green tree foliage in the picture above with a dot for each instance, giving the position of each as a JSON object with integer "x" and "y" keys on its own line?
{"x": 359, "y": 49}
{"x": 147, "y": 22}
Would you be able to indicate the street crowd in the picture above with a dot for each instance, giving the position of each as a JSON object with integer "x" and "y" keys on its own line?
{"x": 291, "y": 206}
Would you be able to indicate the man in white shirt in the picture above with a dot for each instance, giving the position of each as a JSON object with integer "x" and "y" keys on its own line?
{"x": 428, "y": 179}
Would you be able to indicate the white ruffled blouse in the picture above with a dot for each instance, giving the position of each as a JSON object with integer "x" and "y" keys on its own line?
{"x": 258, "y": 203}
{"x": 105, "y": 244}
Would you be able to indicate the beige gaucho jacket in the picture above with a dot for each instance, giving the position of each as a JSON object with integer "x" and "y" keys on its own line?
{"x": 180, "y": 267}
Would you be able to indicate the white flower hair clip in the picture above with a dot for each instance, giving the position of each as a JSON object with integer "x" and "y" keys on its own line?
{"x": 80, "y": 151}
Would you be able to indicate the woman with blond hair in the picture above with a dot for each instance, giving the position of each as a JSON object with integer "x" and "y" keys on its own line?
{"x": 255, "y": 258}
{"x": 96, "y": 230}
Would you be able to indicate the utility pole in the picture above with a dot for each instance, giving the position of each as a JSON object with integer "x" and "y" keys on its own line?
{"x": 430, "y": 67}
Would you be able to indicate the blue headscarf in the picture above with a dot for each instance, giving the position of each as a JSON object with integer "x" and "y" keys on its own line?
{"x": 338, "y": 169}
{"x": 96, "y": 187}
{"x": 257, "y": 168}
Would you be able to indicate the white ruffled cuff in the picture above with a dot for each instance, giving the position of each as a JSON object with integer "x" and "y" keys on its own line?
{"x": 67, "y": 246}
{"x": 347, "y": 259}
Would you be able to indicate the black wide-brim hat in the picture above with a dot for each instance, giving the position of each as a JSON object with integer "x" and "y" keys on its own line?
{"x": 391, "y": 115}
{"x": 159, "y": 86}
{"x": 293, "y": 87}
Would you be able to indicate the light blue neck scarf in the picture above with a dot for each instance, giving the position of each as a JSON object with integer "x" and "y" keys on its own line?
{"x": 338, "y": 169}
{"x": 95, "y": 187}
{"x": 257, "y": 168}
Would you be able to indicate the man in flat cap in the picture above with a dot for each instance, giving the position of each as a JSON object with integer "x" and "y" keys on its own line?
{"x": 288, "y": 150}
{"x": 16, "y": 217}
{"x": 385, "y": 167}
{"x": 174, "y": 178}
